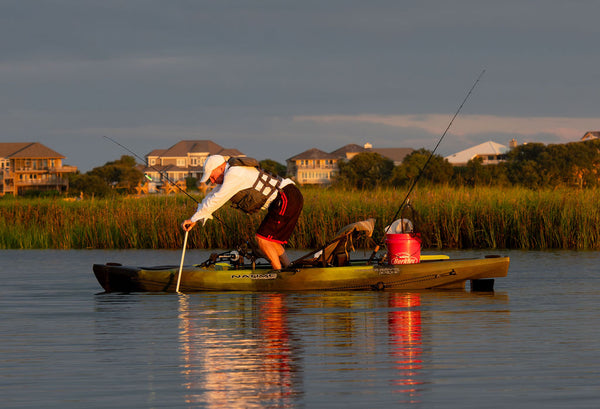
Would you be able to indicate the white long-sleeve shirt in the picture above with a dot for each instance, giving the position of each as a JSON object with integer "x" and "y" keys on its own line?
{"x": 236, "y": 178}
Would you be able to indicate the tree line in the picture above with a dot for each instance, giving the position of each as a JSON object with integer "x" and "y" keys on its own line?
{"x": 533, "y": 165}
{"x": 123, "y": 176}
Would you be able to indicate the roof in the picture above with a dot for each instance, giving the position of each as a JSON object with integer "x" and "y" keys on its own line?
{"x": 590, "y": 135}
{"x": 486, "y": 148}
{"x": 314, "y": 153}
{"x": 183, "y": 148}
{"x": 395, "y": 154}
{"x": 231, "y": 152}
{"x": 26, "y": 150}
{"x": 350, "y": 148}
{"x": 157, "y": 152}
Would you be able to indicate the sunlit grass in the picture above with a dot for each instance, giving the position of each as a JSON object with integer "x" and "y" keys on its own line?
{"x": 514, "y": 218}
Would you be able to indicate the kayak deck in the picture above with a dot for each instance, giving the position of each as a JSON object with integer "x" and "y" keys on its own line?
{"x": 428, "y": 274}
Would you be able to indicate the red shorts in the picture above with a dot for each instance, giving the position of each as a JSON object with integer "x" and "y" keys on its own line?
{"x": 282, "y": 215}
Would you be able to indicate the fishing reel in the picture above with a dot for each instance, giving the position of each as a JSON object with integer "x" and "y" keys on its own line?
{"x": 250, "y": 251}
{"x": 232, "y": 256}
{"x": 236, "y": 258}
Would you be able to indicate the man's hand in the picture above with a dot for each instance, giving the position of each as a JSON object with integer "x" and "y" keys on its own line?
{"x": 188, "y": 225}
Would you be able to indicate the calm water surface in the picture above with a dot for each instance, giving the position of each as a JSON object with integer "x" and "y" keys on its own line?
{"x": 535, "y": 342}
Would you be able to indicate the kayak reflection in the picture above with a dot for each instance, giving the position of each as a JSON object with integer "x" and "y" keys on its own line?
{"x": 243, "y": 350}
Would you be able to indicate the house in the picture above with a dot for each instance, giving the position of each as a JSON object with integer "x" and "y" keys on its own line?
{"x": 589, "y": 135}
{"x": 313, "y": 167}
{"x": 31, "y": 166}
{"x": 182, "y": 160}
{"x": 396, "y": 155}
{"x": 349, "y": 151}
{"x": 319, "y": 168}
{"x": 490, "y": 152}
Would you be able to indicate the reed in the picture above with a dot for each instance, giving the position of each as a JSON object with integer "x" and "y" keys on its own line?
{"x": 512, "y": 218}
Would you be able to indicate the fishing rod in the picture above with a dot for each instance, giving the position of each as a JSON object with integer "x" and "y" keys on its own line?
{"x": 416, "y": 180}
{"x": 165, "y": 176}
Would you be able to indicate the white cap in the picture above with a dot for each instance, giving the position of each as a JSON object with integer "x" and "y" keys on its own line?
{"x": 212, "y": 162}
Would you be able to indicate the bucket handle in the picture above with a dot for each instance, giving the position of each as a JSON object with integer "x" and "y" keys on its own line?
{"x": 414, "y": 217}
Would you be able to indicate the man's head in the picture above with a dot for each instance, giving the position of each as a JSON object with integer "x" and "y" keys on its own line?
{"x": 214, "y": 168}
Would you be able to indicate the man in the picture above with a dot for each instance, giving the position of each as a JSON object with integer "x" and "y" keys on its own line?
{"x": 249, "y": 188}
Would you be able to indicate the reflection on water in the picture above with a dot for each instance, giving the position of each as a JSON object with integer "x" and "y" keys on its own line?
{"x": 404, "y": 320}
{"x": 265, "y": 350}
{"x": 254, "y": 350}
{"x": 63, "y": 345}
{"x": 244, "y": 363}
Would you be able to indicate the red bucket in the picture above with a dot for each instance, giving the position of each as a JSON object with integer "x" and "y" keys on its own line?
{"x": 404, "y": 248}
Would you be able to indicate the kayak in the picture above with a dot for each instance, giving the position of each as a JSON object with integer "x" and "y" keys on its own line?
{"x": 331, "y": 267}
{"x": 224, "y": 276}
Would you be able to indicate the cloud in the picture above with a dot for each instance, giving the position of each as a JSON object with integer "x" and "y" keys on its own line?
{"x": 563, "y": 129}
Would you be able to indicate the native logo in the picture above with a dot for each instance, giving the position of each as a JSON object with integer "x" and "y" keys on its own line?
{"x": 266, "y": 276}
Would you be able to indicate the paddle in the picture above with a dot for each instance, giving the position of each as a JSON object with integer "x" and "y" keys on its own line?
{"x": 182, "y": 257}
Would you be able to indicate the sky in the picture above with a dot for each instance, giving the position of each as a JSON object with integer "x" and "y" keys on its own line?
{"x": 274, "y": 78}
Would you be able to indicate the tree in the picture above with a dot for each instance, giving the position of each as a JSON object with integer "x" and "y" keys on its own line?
{"x": 524, "y": 165}
{"x": 438, "y": 170}
{"x": 365, "y": 170}
{"x": 573, "y": 164}
{"x": 475, "y": 173}
{"x": 191, "y": 183}
{"x": 90, "y": 185}
{"x": 273, "y": 167}
{"x": 120, "y": 175}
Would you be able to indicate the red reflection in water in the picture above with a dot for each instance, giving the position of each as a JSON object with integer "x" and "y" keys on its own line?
{"x": 276, "y": 342}
{"x": 231, "y": 368}
{"x": 404, "y": 322}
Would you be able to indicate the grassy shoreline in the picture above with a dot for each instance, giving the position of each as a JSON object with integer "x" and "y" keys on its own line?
{"x": 454, "y": 218}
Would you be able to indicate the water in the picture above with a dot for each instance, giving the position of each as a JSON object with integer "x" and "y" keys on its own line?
{"x": 64, "y": 344}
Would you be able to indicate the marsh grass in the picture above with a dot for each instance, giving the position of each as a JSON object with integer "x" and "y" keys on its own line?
{"x": 514, "y": 218}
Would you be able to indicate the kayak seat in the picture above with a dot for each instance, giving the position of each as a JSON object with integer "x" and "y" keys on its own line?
{"x": 337, "y": 251}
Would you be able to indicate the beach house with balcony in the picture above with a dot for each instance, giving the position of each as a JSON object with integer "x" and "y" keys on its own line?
{"x": 31, "y": 166}
{"x": 182, "y": 160}
{"x": 313, "y": 167}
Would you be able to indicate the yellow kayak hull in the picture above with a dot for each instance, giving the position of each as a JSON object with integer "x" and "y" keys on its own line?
{"x": 428, "y": 274}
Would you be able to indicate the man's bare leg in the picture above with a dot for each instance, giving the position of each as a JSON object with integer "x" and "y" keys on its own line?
{"x": 274, "y": 252}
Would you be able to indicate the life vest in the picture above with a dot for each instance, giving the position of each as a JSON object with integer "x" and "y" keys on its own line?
{"x": 252, "y": 199}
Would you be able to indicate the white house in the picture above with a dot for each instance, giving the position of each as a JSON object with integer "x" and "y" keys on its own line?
{"x": 490, "y": 152}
